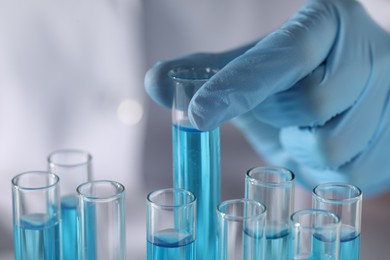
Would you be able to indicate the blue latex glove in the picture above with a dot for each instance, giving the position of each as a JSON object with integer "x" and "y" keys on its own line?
{"x": 312, "y": 95}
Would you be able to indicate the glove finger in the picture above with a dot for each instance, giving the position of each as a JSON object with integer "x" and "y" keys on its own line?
{"x": 160, "y": 87}
{"x": 275, "y": 64}
{"x": 332, "y": 33}
{"x": 295, "y": 106}
{"x": 344, "y": 136}
{"x": 335, "y": 85}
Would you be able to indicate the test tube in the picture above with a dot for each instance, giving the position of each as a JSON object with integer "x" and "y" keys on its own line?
{"x": 171, "y": 230}
{"x": 196, "y": 157}
{"x": 241, "y": 230}
{"x": 314, "y": 235}
{"x": 101, "y": 220}
{"x": 346, "y": 201}
{"x": 74, "y": 168}
{"x": 274, "y": 188}
{"x": 36, "y": 216}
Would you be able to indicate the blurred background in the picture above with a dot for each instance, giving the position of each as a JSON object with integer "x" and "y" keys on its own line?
{"x": 71, "y": 76}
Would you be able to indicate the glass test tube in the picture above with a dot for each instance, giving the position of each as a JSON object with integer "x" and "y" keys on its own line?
{"x": 274, "y": 188}
{"x": 74, "y": 168}
{"x": 101, "y": 220}
{"x": 241, "y": 230}
{"x": 196, "y": 157}
{"x": 346, "y": 201}
{"x": 171, "y": 225}
{"x": 36, "y": 216}
{"x": 314, "y": 235}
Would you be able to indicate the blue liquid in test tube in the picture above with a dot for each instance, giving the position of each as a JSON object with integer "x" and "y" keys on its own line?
{"x": 36, "y": 215}
{"x": 69, "y": 226}
{"x": 171, "y": 244}
{"x": 196, "y": 159}
{"x": 320, "y": 245}
{"x": 349, "y": 243}
{"x": 37, "y": 237}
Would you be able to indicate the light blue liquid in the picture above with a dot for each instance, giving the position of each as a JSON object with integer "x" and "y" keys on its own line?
{"x": 170, "y": 244}
{"x": 69, "y": 226}
{"x": 197, "y": 169}
{"x": 277, "y": 245}
{"x": 37, "y": 237}
{"x": 349, "y": 243}
{"x": 324, "y": 248}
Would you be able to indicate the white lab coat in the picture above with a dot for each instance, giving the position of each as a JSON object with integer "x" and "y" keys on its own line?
{"x": 71, "y": 76}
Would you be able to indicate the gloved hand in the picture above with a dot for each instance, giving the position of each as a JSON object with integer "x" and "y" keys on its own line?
{"x": 312, "y": 95}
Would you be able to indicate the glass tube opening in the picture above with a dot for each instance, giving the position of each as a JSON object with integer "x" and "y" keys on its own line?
{"x": 192, "y": 73}
{"x": 69, "y": 158}
{"x": 337, "y": 193}
{"x": 240, "y": 209}
{"x": 102, "y": 190}
{"x": 270, "y": 176}
{"x": 35, "y": 180}
{"x": 171, "y": 198}
{"x": 315, "y": 219}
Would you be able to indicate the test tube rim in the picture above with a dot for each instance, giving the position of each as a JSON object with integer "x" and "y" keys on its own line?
{"x": 18, "y": 187}
{"x": 172, "y": 73}
{"x": 322, "y": 211}
{"x": 162, "y": 206}
{"x": 53, "y": 163}
{"x": 115, "y": 196}
{"x": 270, "y": 169}
{"x": 350, "y": 200}
{"x": 234, "y": 218}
